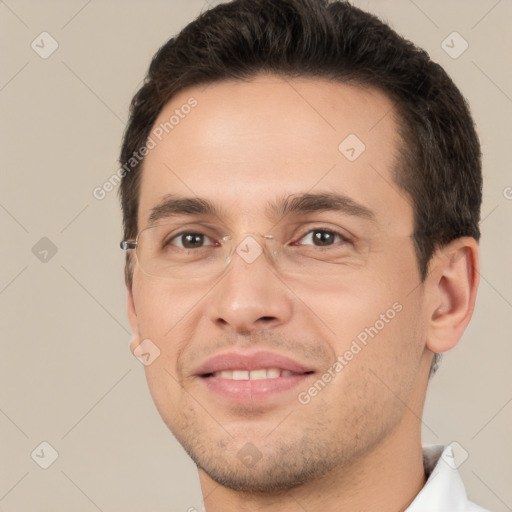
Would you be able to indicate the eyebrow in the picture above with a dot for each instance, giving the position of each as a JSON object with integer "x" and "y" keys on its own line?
{"x": 172, "y": 205}
{"x": 310, "y": 203}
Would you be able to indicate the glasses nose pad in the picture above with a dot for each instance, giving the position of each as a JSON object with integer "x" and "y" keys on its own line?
{"x": 228, "y": 259}
{"x": 228, "y": 250}
{"x": 272, "y": 249}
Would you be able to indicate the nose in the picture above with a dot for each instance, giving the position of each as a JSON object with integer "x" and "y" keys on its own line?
{"x": 250, "y": 295}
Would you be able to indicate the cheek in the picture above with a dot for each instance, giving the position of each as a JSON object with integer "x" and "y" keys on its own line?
{"x": 163, "y": 307}
{"x": 374, "y": 317}
{"x": 163, "y": 316}
{"x": 167, "y": 394}
{"x": 160, "y": 313}
{"x": 380, "y": 366}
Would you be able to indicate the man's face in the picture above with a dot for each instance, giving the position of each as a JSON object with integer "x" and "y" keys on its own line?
{"x": 244, "y": 146}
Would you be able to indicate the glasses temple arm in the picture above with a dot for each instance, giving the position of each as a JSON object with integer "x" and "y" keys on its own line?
{"x": 128, "y": 244}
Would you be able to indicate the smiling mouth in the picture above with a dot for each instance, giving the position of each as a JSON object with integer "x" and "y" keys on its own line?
{"x": 259, "y": 374}
{"x": 262, "y": 377}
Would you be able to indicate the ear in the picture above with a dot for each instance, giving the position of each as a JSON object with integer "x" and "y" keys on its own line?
{"x": 453, "y": 281}
{"x": 132, "y": 318}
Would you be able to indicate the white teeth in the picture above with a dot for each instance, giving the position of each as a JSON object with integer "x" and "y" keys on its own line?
{"x": 240, "y": 375}
{"x": 262, "y": 373}
{"x": 258, "y": 374}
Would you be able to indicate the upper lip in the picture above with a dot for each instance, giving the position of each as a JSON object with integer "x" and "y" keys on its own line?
{"x": 255, "y": 361}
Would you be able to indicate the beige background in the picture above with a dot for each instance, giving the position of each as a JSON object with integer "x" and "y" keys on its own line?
{"x": 67, "y": 376}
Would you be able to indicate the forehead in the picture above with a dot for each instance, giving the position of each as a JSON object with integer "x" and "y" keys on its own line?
{"x": 244, "y": 143}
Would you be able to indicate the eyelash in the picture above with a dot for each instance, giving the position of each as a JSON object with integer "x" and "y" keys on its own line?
{"x": 343, "y": 238}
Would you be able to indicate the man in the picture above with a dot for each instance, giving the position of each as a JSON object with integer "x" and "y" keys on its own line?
{"x": 301, "y": 202}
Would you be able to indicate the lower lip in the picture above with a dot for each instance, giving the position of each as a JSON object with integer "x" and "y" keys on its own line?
{"x": 253, "y": 390}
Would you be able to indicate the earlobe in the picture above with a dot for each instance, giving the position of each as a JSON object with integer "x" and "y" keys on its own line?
{"x": 454, "y": 281}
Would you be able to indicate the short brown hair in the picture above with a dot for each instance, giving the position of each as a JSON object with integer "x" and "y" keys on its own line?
{"x": 440, "y": 160}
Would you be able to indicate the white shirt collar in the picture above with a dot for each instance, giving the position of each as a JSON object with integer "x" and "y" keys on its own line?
{"x": 444, "y": 490}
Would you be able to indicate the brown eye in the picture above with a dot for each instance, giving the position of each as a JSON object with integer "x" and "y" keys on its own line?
{"x": 190, "y": 240}
{"x": 322, "y": 238}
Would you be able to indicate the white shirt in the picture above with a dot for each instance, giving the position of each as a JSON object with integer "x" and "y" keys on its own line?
{"x": 444, "y": 490}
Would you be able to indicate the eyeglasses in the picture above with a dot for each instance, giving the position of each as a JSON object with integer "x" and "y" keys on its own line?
{"x": 169, "y": 251}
